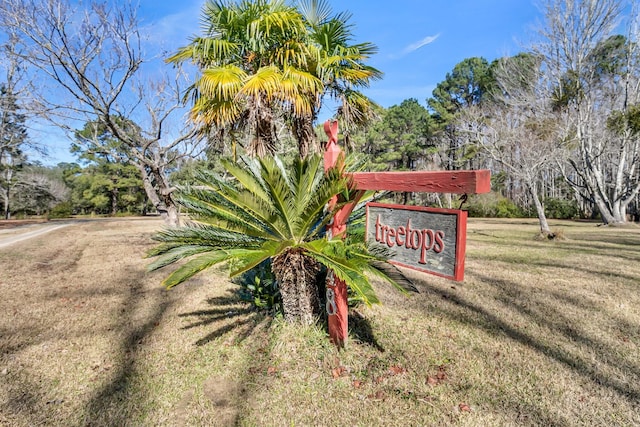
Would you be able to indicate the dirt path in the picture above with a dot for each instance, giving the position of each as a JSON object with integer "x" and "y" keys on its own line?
{"x": 15, "y": 235}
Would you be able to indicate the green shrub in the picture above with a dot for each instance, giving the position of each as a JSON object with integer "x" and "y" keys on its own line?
{"x": 259, "y": 287}
{"x": 560, "y": 208}
{"x": 61, "y": 210}
{"x": 492, "y": 205}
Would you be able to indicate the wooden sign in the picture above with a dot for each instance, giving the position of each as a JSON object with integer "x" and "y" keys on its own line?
{"x": 449, "y": 225}
{"x": 430, "y": 240}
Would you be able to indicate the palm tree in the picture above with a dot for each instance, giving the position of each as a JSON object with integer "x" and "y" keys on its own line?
{"x": 253, "y": 60}
{"x": 269, "y": 212}
{"x": 262, "y": 59}
{"x": 341, "y": 66}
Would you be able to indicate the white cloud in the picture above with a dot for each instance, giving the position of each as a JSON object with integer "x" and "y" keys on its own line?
{"x": 174, "y": 30}
{"x": 417, "y": 45}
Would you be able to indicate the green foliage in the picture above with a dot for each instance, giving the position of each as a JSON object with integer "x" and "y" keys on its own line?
{"x": 108, "y": 183}
{"x": 39, "y": 189}
{"x": 606, "y": 61}
{"x": 466, "y": 86}
{"x": 13, "y": 131}
{"x": 521, "y": 71}
{"x": 560, "y": 208}
{"x": 263, "y": 59}
{"x": 260, "y": 288}
{"x": 619, "y": 122}
{"x": 609, "y": 57}
{"x": 567, "y": 91}
{"x": 61, "y": 210}
{"x": 493, "y": 205}
{"x": 463, "y": 87}
{"x": 13, "y": 138}
{"x": 402, "y": 138}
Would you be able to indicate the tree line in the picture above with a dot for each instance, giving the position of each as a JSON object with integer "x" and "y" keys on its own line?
{"x": 558, "y": 123}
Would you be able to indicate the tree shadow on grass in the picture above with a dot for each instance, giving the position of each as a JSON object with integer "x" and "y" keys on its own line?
{"x": 591, "y": 368}
{"x": 229, "y": 314}
{"x": 108, "y": 405}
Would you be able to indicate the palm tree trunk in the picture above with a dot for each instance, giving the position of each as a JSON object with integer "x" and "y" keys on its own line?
{"x": 305, "y": 135}
{"x": 264, "y": 142}
{"x": 296, "y": 275}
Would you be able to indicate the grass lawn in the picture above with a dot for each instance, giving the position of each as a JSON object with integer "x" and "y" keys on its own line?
{"x": 539, "y": 333}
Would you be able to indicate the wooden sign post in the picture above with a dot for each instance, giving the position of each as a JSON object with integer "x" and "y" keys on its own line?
{"x": 457, "y": 182}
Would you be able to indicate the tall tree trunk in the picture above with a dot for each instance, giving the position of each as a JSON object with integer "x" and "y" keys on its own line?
{"x": 6, "y": 194}
{"x": 542, "y": 218}
{"x": 144, "y": 205}
{"x": 297, "y": 279}
{"x": 114, "y": 201}
{"x": 6, "y": 211}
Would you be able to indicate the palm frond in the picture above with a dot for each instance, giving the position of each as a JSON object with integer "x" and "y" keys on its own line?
{"x": 286, "y": 21}
{"x": 171, "y": 253}
{"x": 222, "y": 83}
{"x": 305, "y": 178}
{"x": 300, "y": 90}
{"x": 216, "y": 111}
{"x": 269, "y": 249}
{"x": 239, "y": 207}
{"x": 291, "y": 53}
{"x": 206, "y": 51}
{"x": 346, "y": 269}
{"x": 356, "y": 109}
{"x": 223, "y": 210}
{"x": 365, "y": 50}
{"x": 277, "y": 184}
{"x": 248, "y": 178}
{"x": 265, "y": 81}
{"x": 315, "y": 12}
{"x": 302, "y": 80}
{"x": 334, "y": 182}
{"x": 202, "y": 234}
{"x": 202, "y": 262}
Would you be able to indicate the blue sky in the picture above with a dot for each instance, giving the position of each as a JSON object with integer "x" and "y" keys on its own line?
{"x": 419, "y": 41}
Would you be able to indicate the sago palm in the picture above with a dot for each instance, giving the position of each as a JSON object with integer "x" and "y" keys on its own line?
{"x": 271, "y": 212}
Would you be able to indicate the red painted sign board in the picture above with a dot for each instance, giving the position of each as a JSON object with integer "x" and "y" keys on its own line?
{"x": 429, "y": 240}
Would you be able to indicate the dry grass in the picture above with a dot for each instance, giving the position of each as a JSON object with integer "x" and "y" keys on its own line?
{"x": 539, "y": 333}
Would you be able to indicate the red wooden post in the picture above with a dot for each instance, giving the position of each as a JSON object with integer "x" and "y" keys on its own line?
{"x": 337, "y": 309}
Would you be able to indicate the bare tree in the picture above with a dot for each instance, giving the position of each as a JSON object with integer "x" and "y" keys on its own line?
{"x": 594, "y": 82}
{"x": 94, "y": 58}
{"x": 38, "y": 190}
{"x": 13, "y": 132}
{"x": 515, "y": 126}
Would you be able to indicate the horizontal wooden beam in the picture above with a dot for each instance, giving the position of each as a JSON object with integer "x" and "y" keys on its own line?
{"x": 457, "y": 182}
